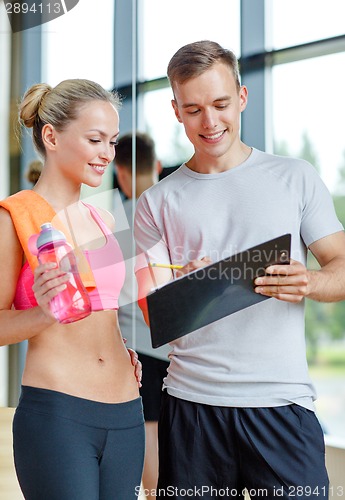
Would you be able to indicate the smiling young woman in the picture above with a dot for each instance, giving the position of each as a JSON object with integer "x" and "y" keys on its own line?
{"x": 78, "y": 429}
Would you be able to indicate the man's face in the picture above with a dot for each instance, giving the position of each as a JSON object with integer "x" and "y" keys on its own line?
{"x": 209, "y": 106}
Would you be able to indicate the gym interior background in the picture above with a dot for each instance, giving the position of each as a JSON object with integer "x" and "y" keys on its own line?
{"x": 292, "y": 59}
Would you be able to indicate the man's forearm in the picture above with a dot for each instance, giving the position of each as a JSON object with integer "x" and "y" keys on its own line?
{"x": 142, "y": 303}
{"x": 328, "y": 283}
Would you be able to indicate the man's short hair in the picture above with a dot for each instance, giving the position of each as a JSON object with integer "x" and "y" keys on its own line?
{"x": 195, "y": 58}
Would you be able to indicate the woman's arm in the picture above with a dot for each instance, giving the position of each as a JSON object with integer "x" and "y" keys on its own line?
{"x": 15, "y": 326}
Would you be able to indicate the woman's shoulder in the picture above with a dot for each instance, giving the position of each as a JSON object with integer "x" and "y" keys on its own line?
{"x": 9, "y": 237}
{"x": 106, "y": 217}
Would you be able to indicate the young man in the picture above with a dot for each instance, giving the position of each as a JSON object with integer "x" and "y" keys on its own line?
{"x": 154, "y": 361}
{"x": 238, "y": 402}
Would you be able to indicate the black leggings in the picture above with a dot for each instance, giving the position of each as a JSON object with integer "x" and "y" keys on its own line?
{"x": 68, "y": 448}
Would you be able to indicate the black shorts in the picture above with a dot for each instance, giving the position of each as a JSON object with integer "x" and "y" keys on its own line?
{"x": 213, "y": 451}
{"x": 154, "y": 370}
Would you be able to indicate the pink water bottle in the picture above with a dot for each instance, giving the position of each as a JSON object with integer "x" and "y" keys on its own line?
{"x": 73, "y": 303}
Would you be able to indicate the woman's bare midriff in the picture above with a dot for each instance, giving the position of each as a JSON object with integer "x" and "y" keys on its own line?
{"x": 86, "y": 359}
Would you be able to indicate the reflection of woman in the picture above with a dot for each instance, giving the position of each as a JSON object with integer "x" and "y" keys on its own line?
{"x": 78, "y": 429}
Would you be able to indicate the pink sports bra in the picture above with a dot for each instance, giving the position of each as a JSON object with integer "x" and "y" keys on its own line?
{"x": 108, "y": 270}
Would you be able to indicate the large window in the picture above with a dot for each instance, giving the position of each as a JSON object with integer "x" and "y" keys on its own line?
{"x": 301, "y": 21}
{"x": 80, "y": 44}
{"x": 162, "y": 31}
{"x": 172, "y": 145}
{"x": 306, "y": 104}
{"x": 306, "y": 101}
{"x": 165, "y": 26}
{"x": 307, "y": 121}
{"x": 4, "y": 158}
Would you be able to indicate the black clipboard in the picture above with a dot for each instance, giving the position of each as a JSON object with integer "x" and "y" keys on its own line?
{"x": 212, "y": 292}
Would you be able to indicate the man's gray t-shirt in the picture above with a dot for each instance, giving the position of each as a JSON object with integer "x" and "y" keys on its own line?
{"x": 257, "y": 356}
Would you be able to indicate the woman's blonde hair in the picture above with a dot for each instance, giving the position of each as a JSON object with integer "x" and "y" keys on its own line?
{"x": 59, "y": 106}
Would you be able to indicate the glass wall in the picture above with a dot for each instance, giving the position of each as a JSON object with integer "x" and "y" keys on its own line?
{"x": 308, "y": 106}
{"x": 296, "y": 22}
{"x": 162, "y": 31}
{"x": 304, "y": 110}
{"x": 308, "y": 111}
{"x": 80, "y": 44}
{"x": 164, "y": 28}
{"x": 5, "y": 84}
{"x": 302, "y": 70}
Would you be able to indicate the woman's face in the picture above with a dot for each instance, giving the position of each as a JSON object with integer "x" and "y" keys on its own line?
{"x": 84, "y": 149}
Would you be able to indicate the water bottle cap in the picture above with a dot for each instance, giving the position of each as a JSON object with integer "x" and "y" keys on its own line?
{"x": 49, "y": 234}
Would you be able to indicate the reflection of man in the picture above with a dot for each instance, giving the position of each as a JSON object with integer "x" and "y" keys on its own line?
{"x": 154, "y": 361}
{"x": 238, "y": 405}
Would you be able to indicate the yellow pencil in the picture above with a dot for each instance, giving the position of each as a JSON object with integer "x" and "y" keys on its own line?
{"x": 168, "y": 266}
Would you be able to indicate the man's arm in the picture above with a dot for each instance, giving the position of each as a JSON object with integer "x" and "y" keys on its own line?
{"x": 153, "y": 277}
{"x": 148, "y": 279}
{"x": 294, "y": 282}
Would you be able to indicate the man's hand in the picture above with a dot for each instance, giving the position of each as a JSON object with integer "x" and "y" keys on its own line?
{"x": 193, "y": 265}
{"x": 284, "y": 282}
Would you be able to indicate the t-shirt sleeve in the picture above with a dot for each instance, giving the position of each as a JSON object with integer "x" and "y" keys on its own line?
{"x": 319, "y": 218}
{"x": 151, "y": 245}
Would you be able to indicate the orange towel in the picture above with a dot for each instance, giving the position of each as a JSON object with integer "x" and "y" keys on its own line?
{"x": 29, "y": 211}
